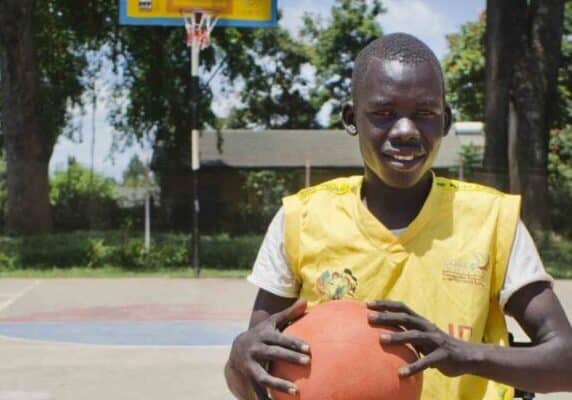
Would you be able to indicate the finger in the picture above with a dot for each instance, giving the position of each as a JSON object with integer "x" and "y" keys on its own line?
{"x": 263, "y": 378}
{"x": 397, "y": 319}
{"x": 272, "y": 353}
{"x": 295, "y": 311}
{"x": 414, "y": 337}
{"x": 261, "y": 392}
{"x": 290, "y": 342}
{"x": 389, "y": 305}
{"x": 422, "y": 364}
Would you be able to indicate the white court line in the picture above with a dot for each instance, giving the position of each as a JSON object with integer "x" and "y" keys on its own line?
{"x": 17, "y": 296}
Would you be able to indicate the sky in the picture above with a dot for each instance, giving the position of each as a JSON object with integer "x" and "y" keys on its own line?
{"x": 429, "y": 20}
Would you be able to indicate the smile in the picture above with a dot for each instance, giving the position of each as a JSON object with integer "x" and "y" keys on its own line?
{"x": 404, "y": 161}
{"x": 404, "y": 158}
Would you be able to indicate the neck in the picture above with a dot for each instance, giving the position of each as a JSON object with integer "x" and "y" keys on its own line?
{"x": 394, "y": 207}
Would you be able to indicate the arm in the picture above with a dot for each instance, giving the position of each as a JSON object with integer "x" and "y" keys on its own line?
{"x": 544, "y": 367}
{"x": 549, "y": 360}
{"x": 245, "y": 374}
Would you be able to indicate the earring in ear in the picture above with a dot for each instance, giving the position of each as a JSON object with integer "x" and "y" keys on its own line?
{"x": 352, "y": 130}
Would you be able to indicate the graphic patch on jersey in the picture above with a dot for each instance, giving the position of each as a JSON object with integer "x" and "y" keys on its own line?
{"x": 335, "y": 285}
{"x": 471, "y": 269}
{"x": 332, "y": 187}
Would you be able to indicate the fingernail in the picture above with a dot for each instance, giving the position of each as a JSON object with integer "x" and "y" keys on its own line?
{"x": 293, "y": 391}
{"x": 371, "y": 315}
{"x": 371, "y": 303}
{"x": 404, "y": 371}
{"x": 305, "y": 348}
{"x": 304, "y": 359}
{"x": 385, "y": 337}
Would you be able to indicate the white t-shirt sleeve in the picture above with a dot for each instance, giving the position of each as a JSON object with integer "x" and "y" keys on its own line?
{"x": 271, "y": 271}
{"x": 524, "y": 265}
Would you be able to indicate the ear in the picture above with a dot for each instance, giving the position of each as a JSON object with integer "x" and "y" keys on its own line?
{"x": 448, "y": 119}
{"x": 348, "y": 119}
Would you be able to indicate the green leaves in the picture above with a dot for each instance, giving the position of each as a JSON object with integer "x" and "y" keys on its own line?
{"x": 80, "y": 198}
{"x": 334, "y": 47}
{"x": 560, "y": 178}
{"x": 464, "y": 69}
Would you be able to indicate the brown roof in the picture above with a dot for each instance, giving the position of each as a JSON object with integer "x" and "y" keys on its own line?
{"x": 291, "y": 148}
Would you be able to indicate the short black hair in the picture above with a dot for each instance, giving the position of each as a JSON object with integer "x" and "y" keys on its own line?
{"x": 396, "y": 46}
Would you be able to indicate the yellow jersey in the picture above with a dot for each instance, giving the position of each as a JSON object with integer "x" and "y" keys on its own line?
{"x": 448, "y": 265}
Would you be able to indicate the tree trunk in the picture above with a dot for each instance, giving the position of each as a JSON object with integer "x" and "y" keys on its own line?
{"x": 534, "y": 93}
{"x": 500, "y": 39}
{"x": 523, "y": 49}
{"x": 28, "y": 148}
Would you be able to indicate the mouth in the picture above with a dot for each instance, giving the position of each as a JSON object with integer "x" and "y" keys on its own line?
{"x": 404, "y": 161}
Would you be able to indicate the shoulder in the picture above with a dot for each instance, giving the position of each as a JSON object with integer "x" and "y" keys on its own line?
{"x": 453, "y": 185}
{"x": 475, "y": 193}
{"x": 334, "y": 187}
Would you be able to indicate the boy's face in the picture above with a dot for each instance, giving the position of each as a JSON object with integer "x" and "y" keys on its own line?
{"x": 400, "y": 117}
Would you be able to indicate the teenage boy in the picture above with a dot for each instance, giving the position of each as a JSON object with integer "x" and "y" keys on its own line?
{"x": 443, "y": 259}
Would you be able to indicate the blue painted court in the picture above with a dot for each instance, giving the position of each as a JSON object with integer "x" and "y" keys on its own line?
{"x": 145, "y": 333}
{"x": 122, "y": 313}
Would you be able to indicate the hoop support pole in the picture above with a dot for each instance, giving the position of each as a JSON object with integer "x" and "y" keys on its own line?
{"x": 198, "y": 34}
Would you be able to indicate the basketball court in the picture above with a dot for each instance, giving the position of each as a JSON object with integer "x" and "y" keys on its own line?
{"x": 136, "y": 338}
{"x": 131, "y": 338}
{"x": 118, "y": 338}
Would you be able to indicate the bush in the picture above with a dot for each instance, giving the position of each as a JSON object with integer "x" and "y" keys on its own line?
{"x": 81, "y": 199}
{"x": 560, "y": 180}
{"x": 222, "y": 251}
{"x": 265, "y": 190}
{"x": 122, "y": 250}
{"x": 556, "y": 253}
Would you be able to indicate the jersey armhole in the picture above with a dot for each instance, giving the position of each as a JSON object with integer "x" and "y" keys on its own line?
{"x": 292, "y": 222}
{"x": 509, "y": 216}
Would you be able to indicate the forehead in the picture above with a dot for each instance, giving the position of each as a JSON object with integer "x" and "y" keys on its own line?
{"x": 392, "y": 80}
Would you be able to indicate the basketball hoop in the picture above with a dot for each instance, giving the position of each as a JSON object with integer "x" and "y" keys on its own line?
{"x": 200, "y": 18}
{"x": 199, "y": 25}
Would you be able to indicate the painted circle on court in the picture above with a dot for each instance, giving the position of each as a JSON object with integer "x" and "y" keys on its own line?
{"x": 138, "y": 325}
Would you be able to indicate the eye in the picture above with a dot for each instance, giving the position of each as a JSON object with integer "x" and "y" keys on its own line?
{"x": 383, "y": 113}
{"x": 424, "y": 113}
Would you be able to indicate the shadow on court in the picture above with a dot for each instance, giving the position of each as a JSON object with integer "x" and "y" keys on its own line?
{"x": 71, "y": 339}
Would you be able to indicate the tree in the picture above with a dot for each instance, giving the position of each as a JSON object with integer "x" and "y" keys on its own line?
{"x": 564, "y": 108}
{"x": 153, "y": 97}
{"x": 276, "y": 93}
{"x": 43, "y": 52}
{"x": 464, "y": 69}
{"x": 334, "y": 46}
{"x": 152, "y": 101}
{"x": 264, "y": 190}
{"x": 465, "y": 77}
{"x": 134, "y": 174}
{"x": 81, "y": 197}
{"x": 523, "y": 44}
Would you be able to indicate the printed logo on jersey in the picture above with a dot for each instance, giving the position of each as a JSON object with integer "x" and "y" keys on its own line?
{"x": 335, "y": 285}
{"x": 332, "y": 187}
{"x": 470, "y": 269}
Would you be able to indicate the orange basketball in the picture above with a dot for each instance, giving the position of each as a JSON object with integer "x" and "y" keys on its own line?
{"x": 347, "y": 360}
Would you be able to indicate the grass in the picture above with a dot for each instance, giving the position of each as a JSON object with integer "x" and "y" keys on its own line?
{"x": 116, "y": 272}
{"x": 555, "y": 251}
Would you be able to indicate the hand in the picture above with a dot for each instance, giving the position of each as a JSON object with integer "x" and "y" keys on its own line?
{"x": 264, "y": 343}
{"x": 449, "y": 355}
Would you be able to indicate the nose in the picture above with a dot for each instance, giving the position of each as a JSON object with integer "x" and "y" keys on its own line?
{"x": 404, "y": 130}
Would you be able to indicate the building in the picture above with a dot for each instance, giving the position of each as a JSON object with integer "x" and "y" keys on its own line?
{"x": 311, "y": 156}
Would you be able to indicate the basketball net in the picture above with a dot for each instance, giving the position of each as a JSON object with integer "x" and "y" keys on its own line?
{"x": 199, "y": 25}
